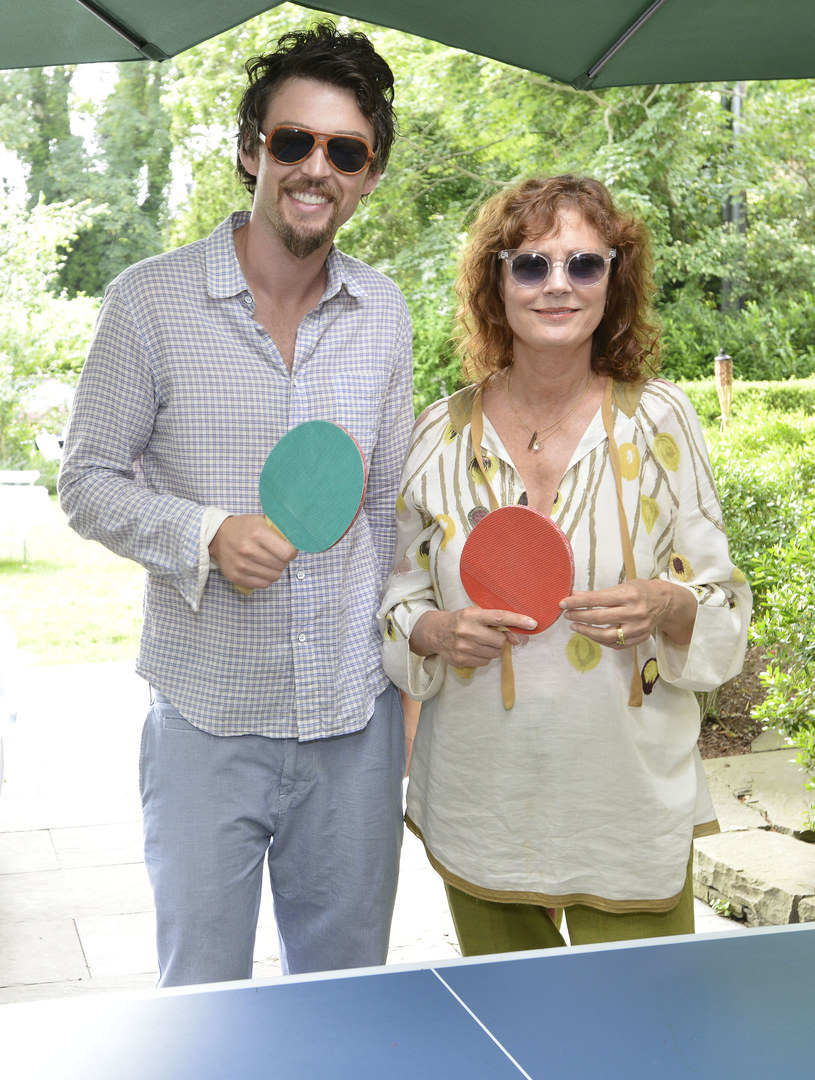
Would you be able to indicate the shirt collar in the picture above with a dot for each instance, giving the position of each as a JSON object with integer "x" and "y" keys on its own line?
{"x": 225, "y": 277}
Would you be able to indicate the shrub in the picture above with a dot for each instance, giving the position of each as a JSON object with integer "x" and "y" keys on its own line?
{"x": 764, "y": 465}
{"x": 771, "y": 340}
{"x": 786, "y": 632}
{"x": 752, "y": 400}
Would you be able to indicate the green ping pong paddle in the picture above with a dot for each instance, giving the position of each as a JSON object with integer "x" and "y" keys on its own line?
{"x": 312, "y": 485}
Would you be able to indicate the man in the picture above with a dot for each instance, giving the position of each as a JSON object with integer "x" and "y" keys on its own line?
{"x": 273, "y": 731}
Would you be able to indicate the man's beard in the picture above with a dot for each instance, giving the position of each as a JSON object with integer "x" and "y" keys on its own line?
{"x": 304, "y": 241}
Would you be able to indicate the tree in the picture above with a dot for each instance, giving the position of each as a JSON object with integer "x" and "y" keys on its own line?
{"x": 202, "y": 93}
{"x": 128, "y": 175}
{"x": 130, "y": 178}
{"x": 36, "y": 125}
{"x": 41, "y": 334}
{"x": 468, "y": 126}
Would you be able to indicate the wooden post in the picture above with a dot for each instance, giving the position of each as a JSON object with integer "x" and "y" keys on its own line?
{"x": 723, "y": 365}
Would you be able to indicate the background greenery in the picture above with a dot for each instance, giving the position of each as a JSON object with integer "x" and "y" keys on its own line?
{"x": 72, "y": 601}
{"x": 764, "y": 463}
{"x": 723, "y": 174}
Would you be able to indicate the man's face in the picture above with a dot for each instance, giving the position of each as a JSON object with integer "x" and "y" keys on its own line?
{"x": 306, "y": 203}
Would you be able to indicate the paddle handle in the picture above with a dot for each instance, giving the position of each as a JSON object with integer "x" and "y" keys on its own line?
{"x": 244, "y": 590}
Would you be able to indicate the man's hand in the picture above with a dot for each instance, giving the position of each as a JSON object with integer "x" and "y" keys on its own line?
{"x": 249, "y": 552}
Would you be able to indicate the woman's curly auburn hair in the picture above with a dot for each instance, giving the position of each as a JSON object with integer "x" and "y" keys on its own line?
{"x": 626, "y": 343}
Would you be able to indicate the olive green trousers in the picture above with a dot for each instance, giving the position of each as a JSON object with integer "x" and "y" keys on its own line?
{"x": 489, "y": 926}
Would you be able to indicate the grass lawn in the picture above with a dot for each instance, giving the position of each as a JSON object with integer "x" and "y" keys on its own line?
{"x": 73, "y": 602}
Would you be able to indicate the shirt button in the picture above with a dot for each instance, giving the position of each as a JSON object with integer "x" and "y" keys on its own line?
{"x": 300, "y": 575}
{"x": 248, "y": 300}
{"x": 301, "y": 637}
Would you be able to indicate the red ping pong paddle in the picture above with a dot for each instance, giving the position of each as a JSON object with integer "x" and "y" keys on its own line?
{"x": 518, "y": 559}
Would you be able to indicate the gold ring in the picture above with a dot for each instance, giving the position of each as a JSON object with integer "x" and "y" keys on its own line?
{"x": 620, "y": 635}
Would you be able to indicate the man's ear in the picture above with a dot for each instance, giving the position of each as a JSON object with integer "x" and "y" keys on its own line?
{"x": 370, "y": 182}
{"x": 249, "y": 160}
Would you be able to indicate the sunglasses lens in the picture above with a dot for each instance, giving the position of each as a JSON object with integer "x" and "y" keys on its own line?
{"x": 586, "y": 268}
{"x": 289, "y": 145}
{"x": 530, "y": 268}
{"x": 347, "y": 155}
{"x": 292, "y": 145}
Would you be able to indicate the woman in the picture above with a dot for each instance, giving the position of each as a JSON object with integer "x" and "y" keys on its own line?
{"x": 586, "y": 792}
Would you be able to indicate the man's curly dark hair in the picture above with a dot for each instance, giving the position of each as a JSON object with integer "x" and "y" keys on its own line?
{"x": 325, "y": 55}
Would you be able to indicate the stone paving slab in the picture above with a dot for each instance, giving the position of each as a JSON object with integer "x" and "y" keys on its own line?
{"x": 119, "y": 945}
{"x": 97, "y": 890}
{"x": 41, "y": 951}
{"x": 98, "y": 845}
{"x": 770, "y": 740}
{"x": 733, "y": 814}
{"x": 27, "y": 852}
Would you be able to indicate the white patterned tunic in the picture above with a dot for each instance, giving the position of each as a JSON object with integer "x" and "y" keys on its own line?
{"x": 572, "y": 796}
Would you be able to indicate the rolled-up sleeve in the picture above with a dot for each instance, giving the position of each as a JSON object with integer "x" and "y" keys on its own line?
{"x": 409, "y": 591}
{"x": 700, "y": 561}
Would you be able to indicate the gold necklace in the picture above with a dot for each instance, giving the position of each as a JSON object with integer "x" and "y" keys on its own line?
{"x": 535, "y": 440}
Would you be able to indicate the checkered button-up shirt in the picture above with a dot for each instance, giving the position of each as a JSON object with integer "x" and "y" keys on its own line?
{"x": 181, "y": 398}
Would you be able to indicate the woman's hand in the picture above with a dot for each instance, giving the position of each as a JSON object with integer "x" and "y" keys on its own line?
{"x": 629, "y": 614}
{"x": 469, "y": 637}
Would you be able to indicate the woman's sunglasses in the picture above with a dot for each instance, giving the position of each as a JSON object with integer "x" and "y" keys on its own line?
{"x": 348, "y": 154}
{"x": 531, "y": 269}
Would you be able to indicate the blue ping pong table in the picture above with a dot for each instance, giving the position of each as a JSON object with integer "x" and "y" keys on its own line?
{"x": 711, "y": 1006}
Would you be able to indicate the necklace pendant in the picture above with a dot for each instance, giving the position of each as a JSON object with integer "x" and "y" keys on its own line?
{"x": 534, "y": 445}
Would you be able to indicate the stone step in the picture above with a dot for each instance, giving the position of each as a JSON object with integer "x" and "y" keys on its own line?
{"x": 761, "y": 867}
{"x": 769, "y": 785}
{"x": 763, "y": 877}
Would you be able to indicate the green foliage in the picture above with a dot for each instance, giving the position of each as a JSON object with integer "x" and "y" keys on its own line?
{"x": 41, "y": 335}
{"x": 764, "y": 465}
{"x": 123, "y": 181}
{"x": 722, "y": 906}
{"x": 59, "y": 602}
{"x": 786, "y": 631}
{"x": 773, "y": 340}
{"x": 751, "y": 401}
{"x": 765, "y": 469}
{"x": 129, "y": 182}
{"x": 201, "y": 94}
{"x": 35, "y": 121}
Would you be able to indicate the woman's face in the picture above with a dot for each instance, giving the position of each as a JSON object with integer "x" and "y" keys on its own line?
{"x": 557, "y": 318}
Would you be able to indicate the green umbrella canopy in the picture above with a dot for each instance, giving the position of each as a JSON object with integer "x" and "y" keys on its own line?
{"x": 588, "y": 43}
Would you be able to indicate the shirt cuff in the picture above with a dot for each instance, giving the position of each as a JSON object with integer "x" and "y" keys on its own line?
{"x": 714, "y": 654}
{"x": 420, "y": 676}
{"x": 211, "y": 521}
